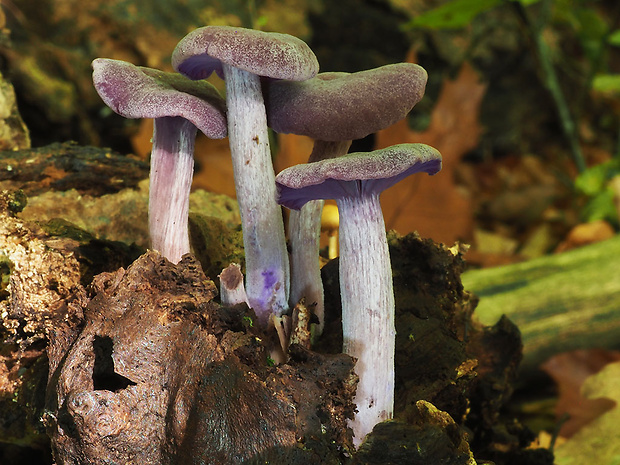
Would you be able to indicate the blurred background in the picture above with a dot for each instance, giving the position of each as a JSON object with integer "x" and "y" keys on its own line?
{"x": 523, "y": 101}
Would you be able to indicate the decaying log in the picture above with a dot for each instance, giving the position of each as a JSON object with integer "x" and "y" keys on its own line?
{"x": 39, "y": 288}
{"x": 106, "y": 194}
{"x": 64, "y": 166}
{"x": 559, "y": 302}
{"x": 145, "y": 366}
{"x": 42, "y": 276}
{"x": 431, "y": 436}
{"x": 157, "y": 376}
{"x": 42, "y": 271}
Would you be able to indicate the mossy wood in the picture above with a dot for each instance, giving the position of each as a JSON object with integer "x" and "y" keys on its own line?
{"x": 63, "y": 166}
{"x": 559, "y": 302}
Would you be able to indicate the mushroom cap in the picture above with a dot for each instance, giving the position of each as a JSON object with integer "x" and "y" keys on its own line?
{"x": 354, "y": 174}
{"x": 268, "y": 54}
{"x": 343, "y": 106}
{"x": 137, "y": 92}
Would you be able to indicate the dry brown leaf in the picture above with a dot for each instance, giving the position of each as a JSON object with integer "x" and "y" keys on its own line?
{"x": 586, "y": 233}
{"x": 435, "y": 206}
{"x": 292, "y": 150}
{"x": 598, "y": 442}
{"x": 215, "y": 171}
{"x": 569, "y": 371}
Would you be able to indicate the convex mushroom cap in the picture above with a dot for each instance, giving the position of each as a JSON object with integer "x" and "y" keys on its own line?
{"x": 268, "y": 54}
{"x": 343, "y": 106}
{"x": 354, "y": 174}
{"x": 138, "y": 92}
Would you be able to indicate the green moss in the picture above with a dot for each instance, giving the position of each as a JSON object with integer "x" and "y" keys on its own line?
{"x": 6, "y": 267}
{"x": 17, "y": 201}
{"x": 214, "y": 243}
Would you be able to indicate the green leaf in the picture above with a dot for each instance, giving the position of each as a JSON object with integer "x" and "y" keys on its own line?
{"x": 608, "y": 83}
{"x": 614, "y": 38}
{"x": 453, "y": 15}
{"x": 591, "y": 24}
{"x": 591, "y": 30}
{"x": 595, "y": 184}
{"x": 457, "y": 14}
{"x": 260, "y": 22}
{"x": 601, "y": 207}
{"x": 594, "y": 180}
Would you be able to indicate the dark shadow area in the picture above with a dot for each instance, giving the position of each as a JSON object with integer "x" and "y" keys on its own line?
{"x": 104, "y": 376}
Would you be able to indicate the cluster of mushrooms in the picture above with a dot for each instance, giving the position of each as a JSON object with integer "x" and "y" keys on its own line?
{"x": 272, "y": 81}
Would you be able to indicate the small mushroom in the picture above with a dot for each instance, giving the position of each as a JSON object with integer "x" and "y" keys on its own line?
{"x": 329, "y": 224}
{"x": 333, "y": 109}
{"x": 241, "y": 56}
{"x": 355, "y": 182}
{"x": 178, "y": 106}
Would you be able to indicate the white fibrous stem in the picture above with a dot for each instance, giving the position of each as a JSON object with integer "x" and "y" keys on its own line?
{"x": 367, "y": 309}
{"x": 266, "y": 257}
{"x": 304, "y": 235}
{"x": 172, "y": 169}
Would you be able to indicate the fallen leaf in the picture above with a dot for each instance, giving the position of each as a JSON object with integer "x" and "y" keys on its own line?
{"x": 435, "y": 206}
{"x": 569, "y": 370}
{"x": 215, "y": 170}
{"x": 586, "y": 233}
{"x": 292, "y": 150}
{"x": 598, "y": 442}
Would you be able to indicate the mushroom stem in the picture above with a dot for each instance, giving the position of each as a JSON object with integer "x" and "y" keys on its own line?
{"x": 323, "y": 149}
{"x": 304, "y": 231}
{"x": 266, "y": 258}
{"x": 367, "y": 309}
{"x": 172, "y": 169}
{"x": 304, "y": 234}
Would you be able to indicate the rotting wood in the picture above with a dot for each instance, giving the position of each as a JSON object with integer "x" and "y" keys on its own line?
{"x": 559, "y": 302}
{"x": 59, "y": 167}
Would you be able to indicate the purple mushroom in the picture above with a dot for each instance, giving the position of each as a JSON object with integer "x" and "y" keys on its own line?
{"x": 241, "y": 56}
{"x": 334, "y": 109}
{"x": 178, "y": 106}
{"x": 355, "y": 181}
